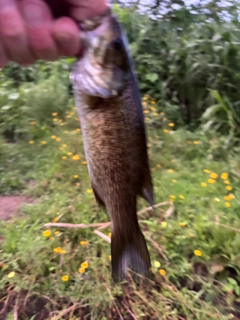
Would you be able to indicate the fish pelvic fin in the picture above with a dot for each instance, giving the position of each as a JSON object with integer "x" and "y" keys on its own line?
{"x": 132, "y": 254}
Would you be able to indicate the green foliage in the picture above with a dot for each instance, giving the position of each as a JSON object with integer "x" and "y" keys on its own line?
{"x": 45, "y": 90}
{"x": 178, "y": 62}
{"x": 223, "y": 117}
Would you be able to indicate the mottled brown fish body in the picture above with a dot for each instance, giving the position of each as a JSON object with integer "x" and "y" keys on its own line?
{"x": 115, "y": 147}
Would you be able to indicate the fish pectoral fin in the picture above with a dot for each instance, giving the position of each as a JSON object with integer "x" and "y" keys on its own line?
{"x": 132, "y": 254}
{"x": 99, "y": 200}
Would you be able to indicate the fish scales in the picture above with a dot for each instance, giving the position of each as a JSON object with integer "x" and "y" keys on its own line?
{"x": 115, "y": 146}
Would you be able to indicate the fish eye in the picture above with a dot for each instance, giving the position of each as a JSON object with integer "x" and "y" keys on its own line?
{"x": 117, "y": 44}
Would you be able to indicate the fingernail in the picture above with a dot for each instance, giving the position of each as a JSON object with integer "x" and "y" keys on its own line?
{"x": 33, "y": 14}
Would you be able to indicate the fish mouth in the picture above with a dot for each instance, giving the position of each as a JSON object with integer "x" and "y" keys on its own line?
{"x": 91, "y": 75}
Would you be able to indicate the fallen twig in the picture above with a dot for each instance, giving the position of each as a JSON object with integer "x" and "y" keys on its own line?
{"x": 102, "y": 235}
{"x": 226, "y": 226}
{"x": 156, "y": 246}
{"x": 72, "y": 225}
{"x": 65, "y": 311}
{"x": 102, "y": 225}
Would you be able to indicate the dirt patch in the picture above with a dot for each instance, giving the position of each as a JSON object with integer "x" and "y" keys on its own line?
{"x": 10, "y": 205}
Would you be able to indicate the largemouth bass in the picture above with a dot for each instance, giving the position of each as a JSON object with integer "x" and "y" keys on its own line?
{"x": 111, "y": 117}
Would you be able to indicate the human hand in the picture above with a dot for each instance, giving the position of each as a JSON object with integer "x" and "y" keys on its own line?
{"x": 42, "y": 29}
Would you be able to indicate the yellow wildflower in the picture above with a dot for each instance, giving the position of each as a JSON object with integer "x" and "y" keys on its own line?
{"x": 55, "y": 119}
{"x": 224, "y": 175}
{"x": 203, "y": 184}
{"x": 62, "y": 251}
{"x": 165, "y": 130}
{"x": 84, "y": 264}
{"x": 206, "y": 171}
{"x": 84, "y": 162}
{"x": 191, "y": 235}
{"x": 89, "y": 191}
{"x": 155, "y": 114}
{"x": 156, "y": 264}
{"x": 162, "y": 272}
{"x": 228, "y": 204}
{"x": 110, "y": 258}
{"x": 11, "y": 274}
{"x": 58, "y": 139}
{"x": 65, "y": 278}
{"x": 83, "y": 243}
{"x": 75, "y": 176}
{"x": 55, "y": 219}
{"x": 32, "y": 122}
{"x": 198, "y": 253}
{"x": 213, "y": 175}
{"x": 109, "y": 235}
{"x": 217, "y": 199}
{"x": 171, "y": 170}
{"x": 181, "y": 196}
{"x": 56, "y": 232}
{"x": 54, "y": 114}
{"x": 146, "y": 111}
{"x": 182, "y": 224}
{"x": 44, "y": 142}
{"x": 147, "y": 119}
{"x": 57, "y": 250}
{"x": 64, "y": 157}
{"x": 78, "y": 130}
{"x": 81, "y": 270}
{"x": 196, "y": 142}
{"x": 76, "y": 157}
{"x": 31, "y": 142}
{"x": 164, "y": 224}
{"x": 231, "y": 196}
{"x": 229, "y": 188}
{"x": 64, "y": 145}
{"x": 226, "y": 182}
{"x": 53, "y": 137}
{"x": 47, "y": 233}
{"x": 211, "y": 181}
{"x": 173, "y": 180}
{"x": 171, "y": 124}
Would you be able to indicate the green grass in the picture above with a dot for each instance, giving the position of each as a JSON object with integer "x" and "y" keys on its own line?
{"x": 186, "y": 286}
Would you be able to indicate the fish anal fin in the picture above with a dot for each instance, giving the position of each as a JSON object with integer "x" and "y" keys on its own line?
{"x": 147, "y": 187}
{"x": 99, "y": 201}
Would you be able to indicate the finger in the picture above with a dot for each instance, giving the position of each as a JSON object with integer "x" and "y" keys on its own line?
{"x": 13, "y": 33}
{"x": 82, "y": 10}
{"x": 38, "y": 23}
{"x": 67, "y": 36}
{"x": 3, "y": 56}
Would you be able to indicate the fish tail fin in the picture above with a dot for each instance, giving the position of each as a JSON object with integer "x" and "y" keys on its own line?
{"x": 130, "y": 252}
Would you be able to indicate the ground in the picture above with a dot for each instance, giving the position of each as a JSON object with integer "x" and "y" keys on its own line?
{"x": 10, "y": 206}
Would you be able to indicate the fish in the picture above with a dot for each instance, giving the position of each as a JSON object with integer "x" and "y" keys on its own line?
{"x": 109, "y": 107}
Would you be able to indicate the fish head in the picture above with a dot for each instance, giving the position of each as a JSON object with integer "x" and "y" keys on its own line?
{"x": 104, "y": 67}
